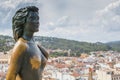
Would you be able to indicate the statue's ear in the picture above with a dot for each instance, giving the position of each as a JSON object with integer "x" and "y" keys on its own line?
{"x": 44, "y": 51}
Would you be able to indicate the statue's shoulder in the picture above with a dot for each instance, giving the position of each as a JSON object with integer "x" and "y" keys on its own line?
{"x": 20, "y": 45}
{"x": 44, "y": 51}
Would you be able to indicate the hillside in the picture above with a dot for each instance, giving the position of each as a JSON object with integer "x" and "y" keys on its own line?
{"x": 75, "y": 46}
{"x": 53, "y": 43}
{"x": 115, "y": 45}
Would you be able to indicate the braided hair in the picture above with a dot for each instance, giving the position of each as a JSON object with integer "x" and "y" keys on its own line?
{"x": 19, "y": 20}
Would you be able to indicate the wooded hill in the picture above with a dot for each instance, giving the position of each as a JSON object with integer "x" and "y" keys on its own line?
{"x": 76, "y": 47}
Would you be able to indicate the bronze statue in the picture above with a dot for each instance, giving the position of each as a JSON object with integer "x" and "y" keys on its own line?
{"x": 28, "y": 59}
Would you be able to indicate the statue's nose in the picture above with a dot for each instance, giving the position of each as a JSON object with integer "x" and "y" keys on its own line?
{"x": 37, "y": 22}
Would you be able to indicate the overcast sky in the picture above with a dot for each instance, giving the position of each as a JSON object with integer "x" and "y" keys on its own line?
{"x": 81, "y": 20}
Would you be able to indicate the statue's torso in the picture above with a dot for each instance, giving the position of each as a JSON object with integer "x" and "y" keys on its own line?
{"x": 33, "y": 63}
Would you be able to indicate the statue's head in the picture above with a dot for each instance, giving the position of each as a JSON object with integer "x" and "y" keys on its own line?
{"x": 25, "y": 19}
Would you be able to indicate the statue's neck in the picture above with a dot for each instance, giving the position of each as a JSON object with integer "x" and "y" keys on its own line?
{"x": 28, "y": 36}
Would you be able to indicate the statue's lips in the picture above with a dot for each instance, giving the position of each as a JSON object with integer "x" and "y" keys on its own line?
{"x": 36, "y": 25}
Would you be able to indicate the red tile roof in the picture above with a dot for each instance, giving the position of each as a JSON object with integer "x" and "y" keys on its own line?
{"x": 75, "y": 74}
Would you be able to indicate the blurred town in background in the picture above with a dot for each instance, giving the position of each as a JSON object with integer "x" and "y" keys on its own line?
{"x": 71, "y": 60}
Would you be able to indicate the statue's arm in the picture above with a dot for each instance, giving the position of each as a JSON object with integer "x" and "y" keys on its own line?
{"x": 16, "y": 61}
{"x": 44, "y": 51}
{"x": 46, "y": 54}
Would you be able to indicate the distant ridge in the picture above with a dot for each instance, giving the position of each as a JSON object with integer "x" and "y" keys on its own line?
{"x": 76, "y": 47}
{"x": 115, "y": 45}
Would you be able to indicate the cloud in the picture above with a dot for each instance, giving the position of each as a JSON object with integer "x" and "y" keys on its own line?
{"x": 109, "y": 17}
{"x": 6, "y": 32}
{"x": 64, "y": 21}
{"x": 7, "y": 4}
{"x": 113, "y": 7}
{"x": 71, "y": 19}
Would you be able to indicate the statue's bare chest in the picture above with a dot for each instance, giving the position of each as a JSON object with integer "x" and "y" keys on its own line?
{"x": 33, "y": 56}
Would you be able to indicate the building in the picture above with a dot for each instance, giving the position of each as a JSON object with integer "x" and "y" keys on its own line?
{"x": 107, "y": 74}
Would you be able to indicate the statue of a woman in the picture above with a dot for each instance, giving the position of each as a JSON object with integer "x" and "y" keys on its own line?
{"x": 28, "y": 59}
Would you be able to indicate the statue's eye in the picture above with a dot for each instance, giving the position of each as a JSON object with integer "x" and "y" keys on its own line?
{"x": 32, "y": 17}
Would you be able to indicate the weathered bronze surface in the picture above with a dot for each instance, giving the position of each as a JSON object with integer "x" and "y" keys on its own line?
{"x": 28, "y": 59}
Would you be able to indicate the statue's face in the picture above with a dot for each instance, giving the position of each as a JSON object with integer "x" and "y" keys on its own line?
{"x": 32, "y": 22}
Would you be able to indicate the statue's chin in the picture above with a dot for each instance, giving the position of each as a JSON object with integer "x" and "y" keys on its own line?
{"x": 37, "y": 30}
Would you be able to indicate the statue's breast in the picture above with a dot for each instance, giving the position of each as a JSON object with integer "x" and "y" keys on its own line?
{"x": 33, "y": 56}
{"x": 35, "y": 62}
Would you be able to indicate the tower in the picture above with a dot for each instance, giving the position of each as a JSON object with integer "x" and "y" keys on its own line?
{"x": 90, "y": 74}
